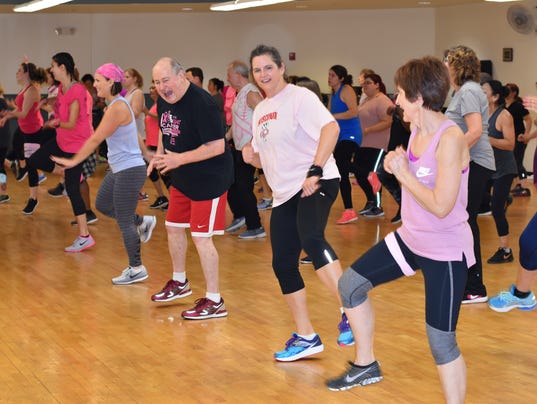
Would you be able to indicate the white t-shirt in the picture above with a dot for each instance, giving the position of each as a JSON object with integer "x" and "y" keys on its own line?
{"x": 286, "y": 132}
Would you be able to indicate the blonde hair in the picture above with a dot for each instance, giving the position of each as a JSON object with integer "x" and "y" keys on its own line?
{"x": 464, "y": 64}
{"x": 136, "y": 74}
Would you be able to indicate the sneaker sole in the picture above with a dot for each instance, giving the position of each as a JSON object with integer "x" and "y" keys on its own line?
{"x": 215, "y": 315}
{"x": 157, "y": 300}
{"x": 22, "y": 178}
{"x": 5, "y": 200}
{"x": 365, "y": 382}
{"x": 478, "y": 300}
{"x": 32, "y": 212}
{"x": 263, "y": 235}
{"x": 306, "y": 262}
{"x": 348, "y": 221}
{"x": 342, "y": 343}
{"x": 150, "y": 231}
{"x": 303, "y": 354}
{"x": 131, "y": 281}
{"x": 82, "y": 249}
{"x": 509, "y": 308}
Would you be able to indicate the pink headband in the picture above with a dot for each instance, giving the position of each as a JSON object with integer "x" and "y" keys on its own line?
{"x": 111, "y": 71}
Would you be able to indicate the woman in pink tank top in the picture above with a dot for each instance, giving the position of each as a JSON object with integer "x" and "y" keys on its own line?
{"x": 433, "y": 174}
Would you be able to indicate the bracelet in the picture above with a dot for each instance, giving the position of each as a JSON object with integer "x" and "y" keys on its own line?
{"x": 315, "y": 171}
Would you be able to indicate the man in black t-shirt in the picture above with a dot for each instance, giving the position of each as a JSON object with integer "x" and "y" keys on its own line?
{"x": 193, "y": 150}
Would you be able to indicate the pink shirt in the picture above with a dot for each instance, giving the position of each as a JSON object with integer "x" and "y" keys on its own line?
{"x": 286, "y": 132}
{"x": 71, "y": 140}
{"x": 151, "y": 127}
{"x": 33, "y": 121}
{"x": 371, "y": 112}
{"x": 441, "y": 239}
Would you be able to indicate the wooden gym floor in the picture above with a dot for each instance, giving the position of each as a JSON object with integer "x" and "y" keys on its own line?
{"x": 68, "y": 335}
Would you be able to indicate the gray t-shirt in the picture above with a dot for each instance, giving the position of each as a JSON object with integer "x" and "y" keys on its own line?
{"x": 471, "y": 98}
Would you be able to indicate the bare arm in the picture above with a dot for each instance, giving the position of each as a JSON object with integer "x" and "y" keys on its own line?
{"x": 116, "y": 115}
{"x": 348, "y": 96}
{"x": 504, "y": 124}
{"x": 474, "y": 127}
{"x": 327, "y": 143}
{"x": 251, "y": 157}
{"x": 31, "y": 96}
{"x": 170, "y": 160}
{"x": 137, "y": 103}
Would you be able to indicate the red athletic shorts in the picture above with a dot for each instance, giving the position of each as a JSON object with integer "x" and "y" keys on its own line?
{"x": 204, "y": 218}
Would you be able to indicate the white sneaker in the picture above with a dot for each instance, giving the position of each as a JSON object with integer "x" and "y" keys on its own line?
{"x": 145, "y": 229}
{"x": 130, "y": 275}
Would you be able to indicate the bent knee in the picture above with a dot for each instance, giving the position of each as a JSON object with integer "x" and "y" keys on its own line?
{"x": 443, "y": 345}
{"x": 353, "y": 288}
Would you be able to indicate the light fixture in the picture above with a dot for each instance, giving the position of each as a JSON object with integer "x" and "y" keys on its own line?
{"x": 37, "y": 5}
{"x": 502, "y": 1}
{"x": 241, "y": 4}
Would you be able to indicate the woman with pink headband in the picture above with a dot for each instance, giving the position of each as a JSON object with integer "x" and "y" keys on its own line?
{"x": 118, "y": 195}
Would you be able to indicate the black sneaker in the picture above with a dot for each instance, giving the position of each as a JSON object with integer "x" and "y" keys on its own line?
{"x": 160, "y": 203}
{"x": 23, "y": 172}
{"x": 501, "y": 257}
{"x": 4, "y": 198}
{"x": 30, "y": 206}
{"x": 356, "y": 376}
{"x": 91, "y": 217}
{"x": 57, "y": 191}
{"x": 374, "y": 212}
{"x": 305, "y": 260}
{"x": 368, "y": 206}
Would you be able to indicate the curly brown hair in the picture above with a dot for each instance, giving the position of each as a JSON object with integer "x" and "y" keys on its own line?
{"x": 463, "y": 64}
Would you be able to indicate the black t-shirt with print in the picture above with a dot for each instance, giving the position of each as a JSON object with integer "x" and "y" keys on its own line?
{"x": 192, "y": 121}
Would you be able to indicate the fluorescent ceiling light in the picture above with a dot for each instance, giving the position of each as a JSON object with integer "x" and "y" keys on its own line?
{"x": 37, "y": 5}
{"x": 241, "y": 4}
{"x": 502, "y": 1}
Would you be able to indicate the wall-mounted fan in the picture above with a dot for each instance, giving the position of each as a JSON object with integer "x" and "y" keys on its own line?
{"x": 521, "y": 19}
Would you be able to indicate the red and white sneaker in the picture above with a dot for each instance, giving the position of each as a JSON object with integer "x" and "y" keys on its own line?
{"x": 206, "y": 308}
{"x": 172, "y": 290}
{"x": 469, "y": 299}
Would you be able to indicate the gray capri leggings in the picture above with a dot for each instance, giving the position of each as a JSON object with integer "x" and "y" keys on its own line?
{"x": 117, "y": 198}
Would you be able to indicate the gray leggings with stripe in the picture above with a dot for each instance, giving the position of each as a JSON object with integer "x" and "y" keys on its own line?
{"x": 117, "y": 198}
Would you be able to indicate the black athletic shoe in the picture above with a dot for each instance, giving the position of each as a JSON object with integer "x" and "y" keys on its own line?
{"x": 160, "y": 203}
{"x": 23, "y": 172}
{"x": 356, "y": 376}
{"x": 305, "y": 260}
{"x": 501, "y": 257}
{"x": 57, "y": 191}
{"x": 30, "y": 206}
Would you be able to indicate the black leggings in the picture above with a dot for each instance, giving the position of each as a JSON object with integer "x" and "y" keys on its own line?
{"x": 344, "y": 154}
{"x": 40, "y": 160}
{"x": 444, "y": 280}
{"x": 368, "y": 159}
{"x": 30, "y": 140}
{"x": 500, "y": 191}
{"x": 299, "y": 224}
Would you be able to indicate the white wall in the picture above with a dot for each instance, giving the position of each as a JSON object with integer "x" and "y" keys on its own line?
{"x": 381, "y": 39}
{"x": 484, "y": 28}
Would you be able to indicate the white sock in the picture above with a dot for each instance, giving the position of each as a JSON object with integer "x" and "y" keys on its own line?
{"x": 308, "y": 337}
{"x": 341, "y": 310}
{"x": 215, "y": 297}
{"x": 179, "y": 277}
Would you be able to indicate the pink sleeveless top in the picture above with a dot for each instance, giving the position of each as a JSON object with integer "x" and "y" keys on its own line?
{"x": 33, "y": 120}
{"x": 440, "y": 239}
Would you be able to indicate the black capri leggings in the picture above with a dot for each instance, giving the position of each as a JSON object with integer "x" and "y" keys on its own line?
{"x": 40, "y": 160}
{"x": 444, "y": 280}
{"x": 299, "y": 224}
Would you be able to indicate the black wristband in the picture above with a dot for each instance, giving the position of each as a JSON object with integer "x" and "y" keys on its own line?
{"x": 315, "y": 171}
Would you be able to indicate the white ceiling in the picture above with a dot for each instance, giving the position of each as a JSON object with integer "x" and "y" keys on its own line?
{"x": 126, "y": 6}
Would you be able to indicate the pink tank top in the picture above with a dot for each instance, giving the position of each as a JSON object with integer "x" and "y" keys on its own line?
{"x": 441, "y": 239}
{"x": 33, "y": 121}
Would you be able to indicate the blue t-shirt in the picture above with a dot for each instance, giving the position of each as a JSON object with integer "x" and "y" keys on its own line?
{"x": 349, "y": 129}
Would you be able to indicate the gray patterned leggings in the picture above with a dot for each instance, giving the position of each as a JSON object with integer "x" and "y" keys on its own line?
{"x": 117, "y": 198}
